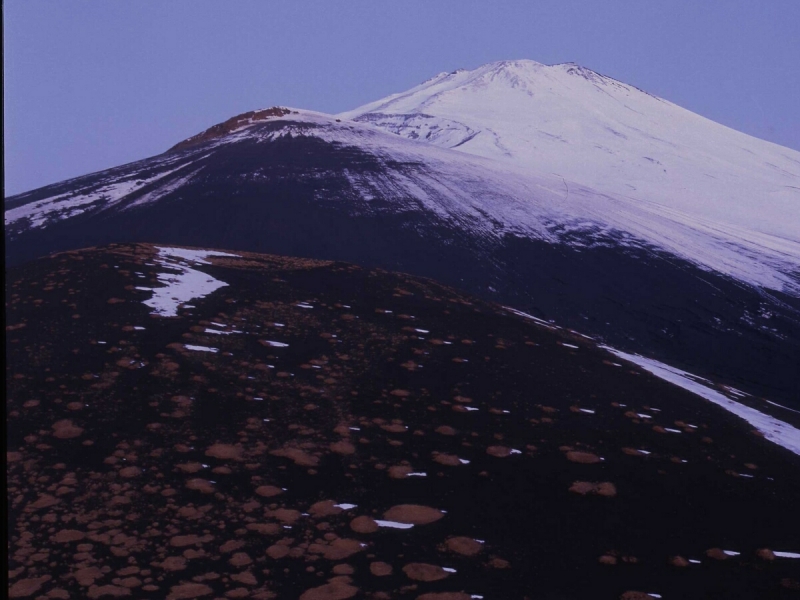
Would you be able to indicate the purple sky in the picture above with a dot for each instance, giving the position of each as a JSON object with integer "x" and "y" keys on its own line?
{"x": 91, "y": 85}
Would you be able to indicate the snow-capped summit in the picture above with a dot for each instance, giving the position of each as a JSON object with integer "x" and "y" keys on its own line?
{"x": 570, "y": 121}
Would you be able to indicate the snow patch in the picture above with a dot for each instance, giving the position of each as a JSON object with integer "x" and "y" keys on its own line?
{"x": 200, "y": 348}
{"x": 393, "y": 524}
{"x": 185, "y": 284}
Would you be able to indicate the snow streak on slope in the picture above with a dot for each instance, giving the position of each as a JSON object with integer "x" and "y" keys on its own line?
{"x": 615, "y": 139}
{"x": 773, "y": 429}
{"x": 107, "y": 192}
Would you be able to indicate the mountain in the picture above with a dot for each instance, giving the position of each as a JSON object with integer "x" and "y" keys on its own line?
{"x": 198, "y": 423}
{"x": 590, "y": 129}
{"x": 711, "y": 290}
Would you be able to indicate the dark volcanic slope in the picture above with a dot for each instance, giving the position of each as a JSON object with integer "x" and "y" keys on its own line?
{"x": 142, "y": 465}
{"x": 338, "y": 191}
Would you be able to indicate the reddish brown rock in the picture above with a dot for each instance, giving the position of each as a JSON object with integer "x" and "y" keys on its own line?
{"x": 343, "y": 569}
{"x": 277, "y": 551}
{"x": 187, "y": 591}
{"x": 240, "y": 559}
{"x": 364, "y": 524}
{"x": 498, "y": 451}
{"x": 604, "y": 488}
{"x": 268, "y": 491}
{"x": 201, "y": 485}
{"x": 343, "y": 447}
{"x": 380, "y": 569}
{"x": 586, "y": 458}
{"x": 189, "y": 540}
{"x": 192, "y": 467}
{"x": 27, "y": 587}
{"x": 265, "y": 528}
{"x": 246, "y": 578}
{"x": 464, "y": 545}
{"x": 66, "y": 429}
{"x": 224, "y": 452}
{"x": 108, "y": 591}
{"x": 87, "y": 576}
{"x": 284, "y": 515}
{"x": 395, "y": 428}
{"x": 44, "y": 501}
{"x": 716, "y": 554}
{"x": 173, "y": 563}
{"x": 633, "y": 452}
{"x": 678, "y": 561}
{"x": 449, "y": 460}
{"x": 130, "y": 472}
{"x": 68, "y": 535}
{"x": 336, "y": 590}
{"x": 414, "y": 514}
{"x": 300, "y": 458}
{"x": 399, "y": 471}
{"x": 189, "y": 512}
{"x": 324, "y": 508}
{"x": 342, "y": 548}
{"x": 424, "y": 572}
{"x": 231, "y": 545}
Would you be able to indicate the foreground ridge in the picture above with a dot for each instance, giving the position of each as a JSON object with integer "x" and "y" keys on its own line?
{"x": 276, "y": 426}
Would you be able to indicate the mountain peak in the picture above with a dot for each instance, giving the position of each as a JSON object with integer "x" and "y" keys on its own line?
{"x": 569, "y": 120}
{"x": 526, "y": 73}
{"x": 517, "y": 73}
{"x": 237, "y": 122}
{"x": 513, "y": 65}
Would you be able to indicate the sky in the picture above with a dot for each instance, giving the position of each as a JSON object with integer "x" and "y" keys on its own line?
{"x": 90, "y": 85}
